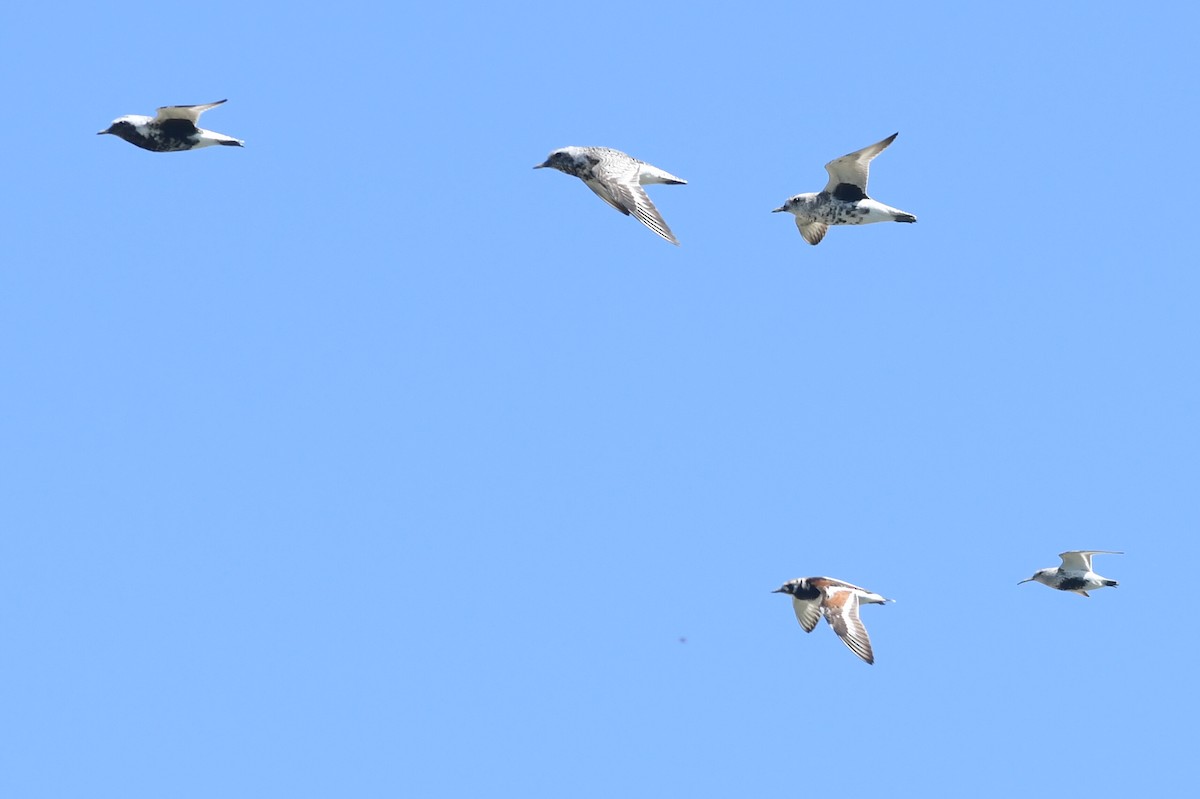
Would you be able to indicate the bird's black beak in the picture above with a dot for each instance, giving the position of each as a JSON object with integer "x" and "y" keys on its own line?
{"x": 1029, "y": 580}
{"x": 779, "y": 591}
{"x": 779, "y": 209}
{"x": 101, "y": 132}
{"x": 539, "y": 166}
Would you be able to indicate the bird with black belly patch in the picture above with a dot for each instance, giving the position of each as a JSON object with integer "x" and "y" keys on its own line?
{"x": 173, "y": 129}
{"x": 1075, "y": 574}
{"x": 844, "y": 199}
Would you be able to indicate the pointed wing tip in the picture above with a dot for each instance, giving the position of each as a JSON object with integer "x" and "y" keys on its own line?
{"x": 860, "y": 647}
{"x": 665, "y": 232}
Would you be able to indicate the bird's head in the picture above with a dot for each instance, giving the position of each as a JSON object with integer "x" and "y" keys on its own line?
{"x": 792, "y": 204}
{"x": 561, "y": 159}
{"x": 122, "y": 126}
{"x": 797, "y": 203}
{"x": 788, "y": 588}
{"x": 1042, "y": 576}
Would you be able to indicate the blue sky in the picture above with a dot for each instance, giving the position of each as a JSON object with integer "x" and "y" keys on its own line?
{"x": 367, "y": 461}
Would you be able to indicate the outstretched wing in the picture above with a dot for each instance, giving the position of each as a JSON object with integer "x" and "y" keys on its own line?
{"x": 812, "y": 232}
{"x": 841, "y": 611}
{"x": 621, "y": 190}
{"x": 850, "y": 171}
{"x": 189, "y": 112}
{"x": 808, "y": 612}
{"x": 1081, "y": 559}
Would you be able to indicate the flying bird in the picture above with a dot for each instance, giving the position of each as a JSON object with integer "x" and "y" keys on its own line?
{"x": 618, "y": 179}
{"x": 813, "y": 597}
{"x": 1075, "y": 574}
{"x": 844, "y": 199}
{"x": 172, "y": 129}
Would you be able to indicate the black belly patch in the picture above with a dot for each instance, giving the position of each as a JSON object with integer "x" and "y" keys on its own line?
{"x": 176, "y": 128}
{"x": 848, "y": 193}
{"x": 1072, "y": 584}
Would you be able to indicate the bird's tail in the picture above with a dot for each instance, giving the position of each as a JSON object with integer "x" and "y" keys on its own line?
{"x": 212, "y": 137}
{"x": 1111, "y": 583}
{"x": 900, "y": 216}
{"x": 652, "y": 174}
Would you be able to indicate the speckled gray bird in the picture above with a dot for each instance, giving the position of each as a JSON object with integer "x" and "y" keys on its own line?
{"x": 618, "y": 179}
{"x": 844, "y": 199}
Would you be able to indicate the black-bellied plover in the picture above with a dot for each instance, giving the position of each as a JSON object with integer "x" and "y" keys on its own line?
{"x": 171, "y": 130}
{"x": 813, "y": 597}
{"x": 618, "y": 179}
{"x": 844, "y": 199}
{"x": 1075, "y": 574}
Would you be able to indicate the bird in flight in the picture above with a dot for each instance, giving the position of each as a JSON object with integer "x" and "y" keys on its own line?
{"x": 618, "y": 179}
{"x": 837, "y": 601}
{"x": 172, "y": 129}
{"x": 844, "y": 199}
{"x": 1075, "y": 574}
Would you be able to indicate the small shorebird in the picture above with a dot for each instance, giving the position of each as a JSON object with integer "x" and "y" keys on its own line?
{"x": 813, "y": 597}
{"x": 844, "y": 199}
{"x": 618, "y": 179}
{"x": 1075, "y": 574}
{"x": 172, "y": 129}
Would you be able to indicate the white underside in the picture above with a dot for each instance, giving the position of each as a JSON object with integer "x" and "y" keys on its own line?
{"x": 876, "y": 212}
{"x": 208, "y": 138}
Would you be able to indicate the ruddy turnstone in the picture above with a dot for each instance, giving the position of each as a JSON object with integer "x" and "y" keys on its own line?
{"x": 814, "y": 597}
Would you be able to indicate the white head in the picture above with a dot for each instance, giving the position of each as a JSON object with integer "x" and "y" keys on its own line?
{"x": 1043, "y": 576}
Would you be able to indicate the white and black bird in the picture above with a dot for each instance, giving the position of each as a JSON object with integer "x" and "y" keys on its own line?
{"x": 844, "y": 199}
{"x": 837, "y": 601}
{"x": 618, "y": 179}
{"x": 1075, "y": 574}
{"x": 172, "y": 129}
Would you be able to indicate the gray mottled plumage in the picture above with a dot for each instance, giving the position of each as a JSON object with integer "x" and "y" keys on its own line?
{"x": 844, "y": 199}
{"x": 618, "y": 179}
{"x": 172, "y": 129}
